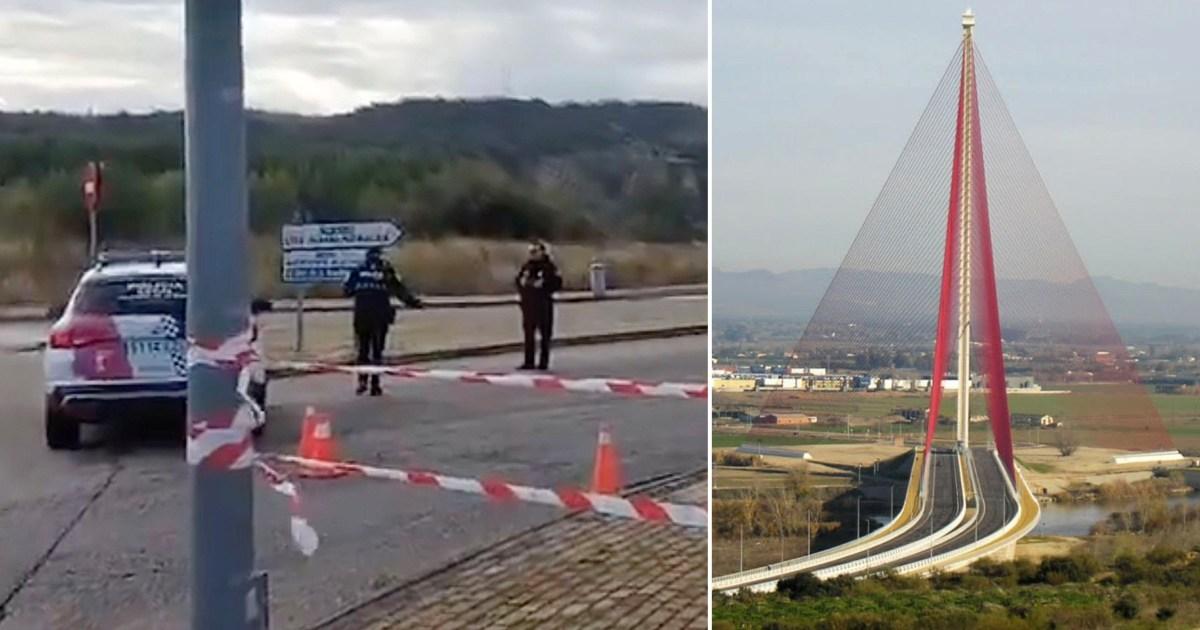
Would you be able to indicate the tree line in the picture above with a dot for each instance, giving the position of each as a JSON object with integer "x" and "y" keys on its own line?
{"x": 495, "y": 169}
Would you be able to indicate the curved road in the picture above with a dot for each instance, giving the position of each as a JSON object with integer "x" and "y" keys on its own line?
{"x": 996, "y": 505}
{"x": 947, "y": 500}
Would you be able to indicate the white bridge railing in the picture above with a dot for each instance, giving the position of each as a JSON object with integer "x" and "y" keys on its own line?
{"x": 764, "y": 578}
{"x": 963, "y": 556}
{"x": 887, "y": 557}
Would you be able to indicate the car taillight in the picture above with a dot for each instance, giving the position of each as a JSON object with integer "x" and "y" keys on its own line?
{"x": 77, "y": 333}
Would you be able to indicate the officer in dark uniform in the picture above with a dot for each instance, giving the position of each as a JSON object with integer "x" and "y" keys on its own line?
{"x": 536, "y": 283}
{"x": 372, "y": 286}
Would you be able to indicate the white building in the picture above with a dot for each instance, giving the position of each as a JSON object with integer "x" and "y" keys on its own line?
{"x": 1148, "y": 458}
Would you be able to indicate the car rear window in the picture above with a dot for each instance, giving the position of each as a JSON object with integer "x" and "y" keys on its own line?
{"x": 133, "y": 296}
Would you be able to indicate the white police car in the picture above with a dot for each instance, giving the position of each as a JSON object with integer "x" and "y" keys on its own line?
{"x": 120, "y": 346}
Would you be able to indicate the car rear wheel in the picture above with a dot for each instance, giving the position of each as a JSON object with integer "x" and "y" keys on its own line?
{"x": 62, "y": 431}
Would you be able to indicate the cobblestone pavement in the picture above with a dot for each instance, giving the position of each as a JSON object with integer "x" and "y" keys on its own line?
{"x": 582, "y": 571}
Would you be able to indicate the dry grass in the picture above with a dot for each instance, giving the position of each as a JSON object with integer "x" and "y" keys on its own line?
{"x": 1034, "y": 548}
{"x": 456, "y": 266}
{"x": 30, "y": 275}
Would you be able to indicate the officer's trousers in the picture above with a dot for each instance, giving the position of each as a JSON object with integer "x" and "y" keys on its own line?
{"x": 370, "y": 340}
{"x": 538, "y": 317}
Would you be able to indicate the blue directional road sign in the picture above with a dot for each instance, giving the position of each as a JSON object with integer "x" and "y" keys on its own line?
{"x": 315, "y": 266}
{"x": 317, "y": 253}
{"x": 341, "y": 235}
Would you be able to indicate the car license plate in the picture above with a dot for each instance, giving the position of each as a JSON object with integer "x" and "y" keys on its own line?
{"x": 143, "y": 347}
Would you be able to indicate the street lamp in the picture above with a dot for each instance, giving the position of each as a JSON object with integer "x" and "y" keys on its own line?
{"x": 858, "y": 516}
{"x": 808, "y": 531}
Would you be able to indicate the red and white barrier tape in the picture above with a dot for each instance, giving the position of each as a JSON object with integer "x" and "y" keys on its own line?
{"x": 303, "y": 535}
{"x": 225, "y": 442}
{"x": 623, "y": 387}
{"x": 639, "y": 508}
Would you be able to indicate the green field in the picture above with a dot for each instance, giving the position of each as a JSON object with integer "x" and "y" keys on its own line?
{"x": 1082, "y": 400}
{"x": 1101, "y": 413}
{"x": 734, "y": 440}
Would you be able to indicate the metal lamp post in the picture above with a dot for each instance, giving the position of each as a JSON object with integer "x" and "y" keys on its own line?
{"x": 222, "y": 533}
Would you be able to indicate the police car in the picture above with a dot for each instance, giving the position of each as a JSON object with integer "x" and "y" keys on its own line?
{"x": 120, "y": 346}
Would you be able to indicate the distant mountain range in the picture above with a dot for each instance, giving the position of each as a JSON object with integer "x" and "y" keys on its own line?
{"x": 794, "y": 295}
{"x": 506, "y": 130}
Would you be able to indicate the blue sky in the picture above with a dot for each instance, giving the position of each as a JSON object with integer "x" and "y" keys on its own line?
{"x": 813, "y": 101}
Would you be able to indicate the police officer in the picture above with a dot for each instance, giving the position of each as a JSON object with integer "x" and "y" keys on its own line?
{"x": 536, "y": 283}
{"x": 372, "y": 286}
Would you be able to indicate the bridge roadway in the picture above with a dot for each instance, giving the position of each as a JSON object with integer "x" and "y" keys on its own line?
{"x": 995, "y": 507}
{"x": 947, "y": 501}
{"x": 947, "y": 492}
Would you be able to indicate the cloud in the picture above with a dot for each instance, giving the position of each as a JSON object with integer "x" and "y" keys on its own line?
{"x": 307, "y": 56}
{"x": 813, "y": 102}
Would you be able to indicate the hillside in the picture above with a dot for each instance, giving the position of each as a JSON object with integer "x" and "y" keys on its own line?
{"x": 794, "y": 295}
{"x": 493, "y": 168}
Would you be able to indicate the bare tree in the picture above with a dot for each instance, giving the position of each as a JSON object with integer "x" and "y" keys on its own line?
{"x": 726, "y": 515}
{"x": 1066, "y": 442}
{"x": 781, "y": 506}
{"x": 747, "y": 511}
{"x": 796, "y": 484}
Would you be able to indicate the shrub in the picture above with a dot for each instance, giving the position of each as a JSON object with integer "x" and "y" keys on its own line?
{"x": 1077, "y": 567}
{"x": 1027, "y": 571}
{"x": 1126, "y": 606}
{"x": 805, "y": 585}
{"x": 1164, "y": 556}
{"x": 976, "y": 583}
{"x": 1164, "y": 613}
{"x": 734, "y": 459}
{"x": 1093, "y": 617}
{"x": 1066, "y": 442}
{"x": 864, "y": 621}
{"x": 1131, "y": 569}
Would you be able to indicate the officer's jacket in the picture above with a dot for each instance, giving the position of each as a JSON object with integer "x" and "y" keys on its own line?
{"x": 371, "y": 285}
{"x": 537, "y": 281}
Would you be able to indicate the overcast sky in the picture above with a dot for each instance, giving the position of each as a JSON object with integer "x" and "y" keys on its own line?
{"x": 324, "y": 56}
{"x": 813, "y": 101}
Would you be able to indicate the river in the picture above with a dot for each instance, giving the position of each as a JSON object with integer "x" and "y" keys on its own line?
{"x": 1077, "y": 519}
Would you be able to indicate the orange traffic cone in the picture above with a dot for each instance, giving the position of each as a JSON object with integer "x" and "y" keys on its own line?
{"x": 316, "y": 437}
{"x": 606, "y": 476}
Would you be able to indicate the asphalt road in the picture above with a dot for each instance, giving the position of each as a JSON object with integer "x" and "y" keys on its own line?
{"x": 98, "y": 538}
{"x": 992, "y": 512}
{"x": 21, "y": 335}
{"x": 947, "y": 499}
{"x": 991, "y": 516}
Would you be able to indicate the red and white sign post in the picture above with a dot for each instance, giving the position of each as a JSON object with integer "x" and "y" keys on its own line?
{"x": 93, "y": 186}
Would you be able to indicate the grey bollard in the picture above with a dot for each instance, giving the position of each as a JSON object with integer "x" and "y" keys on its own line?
{"x": 597, "y": 280}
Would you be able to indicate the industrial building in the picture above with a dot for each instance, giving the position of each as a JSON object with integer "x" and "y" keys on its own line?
{"x": 734, "y": 385}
